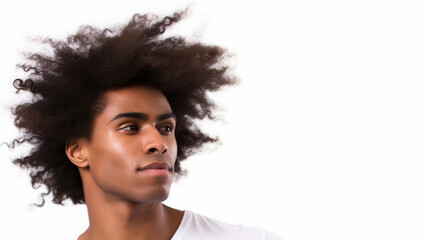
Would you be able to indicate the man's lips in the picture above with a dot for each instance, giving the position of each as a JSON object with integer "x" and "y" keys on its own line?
{"x": 155, "y": 165}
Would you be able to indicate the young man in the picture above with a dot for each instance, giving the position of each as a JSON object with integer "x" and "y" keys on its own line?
{"x": 111, "y": 120}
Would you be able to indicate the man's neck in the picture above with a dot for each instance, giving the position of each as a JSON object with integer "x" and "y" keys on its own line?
{"x": 155, "y": 222}
{"x": 112, "y": 218}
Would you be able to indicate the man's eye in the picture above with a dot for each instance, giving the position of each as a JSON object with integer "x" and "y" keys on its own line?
{"x": 129, "y": 128}
{"x": 166, "y": 129}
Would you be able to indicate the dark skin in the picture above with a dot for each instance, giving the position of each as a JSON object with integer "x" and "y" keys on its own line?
{"x": 136, "y": 128}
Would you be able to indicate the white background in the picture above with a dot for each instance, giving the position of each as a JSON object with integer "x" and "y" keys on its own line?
{"x": 326, "y": 138}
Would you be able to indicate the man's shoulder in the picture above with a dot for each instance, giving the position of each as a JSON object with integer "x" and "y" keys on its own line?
{"x": 203, "y": 227}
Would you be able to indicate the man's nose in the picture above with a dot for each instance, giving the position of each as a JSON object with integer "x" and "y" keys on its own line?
{"x": 153, "y": 142}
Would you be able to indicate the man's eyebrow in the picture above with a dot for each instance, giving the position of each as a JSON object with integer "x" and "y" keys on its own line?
{"x": 143, "y": 116}
{"x": 167, "y": 115}
{"x": 136, "y": 115}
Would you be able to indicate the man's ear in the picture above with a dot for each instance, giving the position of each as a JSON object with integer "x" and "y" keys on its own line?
{"x": 75, "y": 151}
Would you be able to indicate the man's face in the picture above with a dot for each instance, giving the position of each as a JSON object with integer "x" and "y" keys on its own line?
{"x": 135, "y": 129}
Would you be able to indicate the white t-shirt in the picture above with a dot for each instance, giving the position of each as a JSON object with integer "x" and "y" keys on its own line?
{"x": 197, "y": 227}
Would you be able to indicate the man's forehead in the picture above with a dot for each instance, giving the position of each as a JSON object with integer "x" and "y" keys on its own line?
{"x": 140, "y": 91}
{"x": 137, "y": 96}
{"x": 138, "y": 99}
